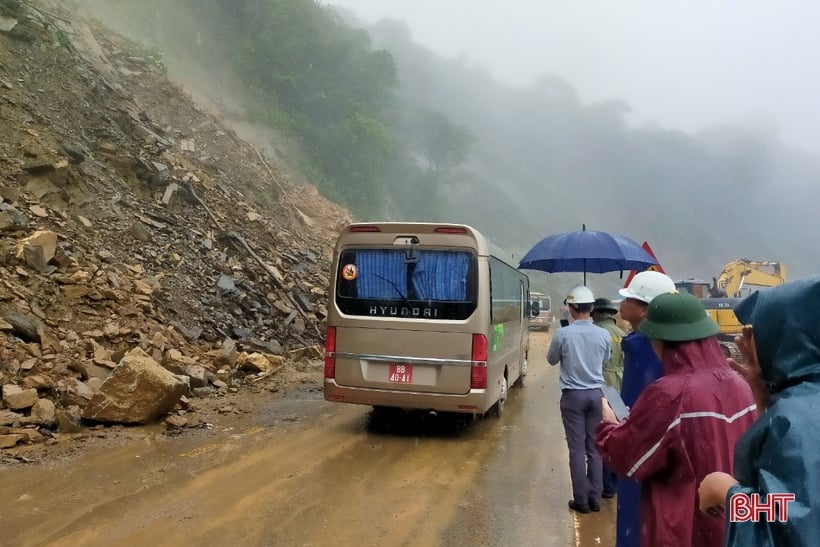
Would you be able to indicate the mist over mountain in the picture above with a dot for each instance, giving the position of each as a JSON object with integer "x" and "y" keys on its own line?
{"x": 395, "y": 131}
{"x": 543, "y": 162}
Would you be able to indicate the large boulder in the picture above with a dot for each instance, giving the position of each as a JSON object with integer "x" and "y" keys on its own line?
{"x": 139, "y": 390}
{"x": 17, "y": 398}
{"x": 43, "y": 413}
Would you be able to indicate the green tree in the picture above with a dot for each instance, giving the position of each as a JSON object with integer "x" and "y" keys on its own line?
{"x": 321, "y": 81}
{"x": 443, "y": 144}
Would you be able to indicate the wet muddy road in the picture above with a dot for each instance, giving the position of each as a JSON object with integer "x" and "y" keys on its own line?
{"x": 337, "y": 475}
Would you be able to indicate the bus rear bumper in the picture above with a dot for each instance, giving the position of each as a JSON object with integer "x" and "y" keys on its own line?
{"x": 474, "y": 402}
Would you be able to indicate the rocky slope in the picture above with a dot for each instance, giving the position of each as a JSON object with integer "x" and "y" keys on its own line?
{"x": 134, "y": 223}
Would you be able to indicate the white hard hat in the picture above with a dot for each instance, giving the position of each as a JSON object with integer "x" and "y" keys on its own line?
{"x": 647, "y": 285}
{"x": 580, "y": 294}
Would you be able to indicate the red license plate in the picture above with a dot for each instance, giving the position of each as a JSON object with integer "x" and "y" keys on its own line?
{"x": 401, "y": 373}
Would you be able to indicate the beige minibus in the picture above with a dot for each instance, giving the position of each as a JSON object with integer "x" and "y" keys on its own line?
{"x": 424, "y": 316}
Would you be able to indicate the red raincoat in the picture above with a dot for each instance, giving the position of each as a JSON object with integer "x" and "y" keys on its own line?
{"x": 682, "y": 427}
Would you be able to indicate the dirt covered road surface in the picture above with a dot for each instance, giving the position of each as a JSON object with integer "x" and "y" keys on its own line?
{"x": 295, "y": 470}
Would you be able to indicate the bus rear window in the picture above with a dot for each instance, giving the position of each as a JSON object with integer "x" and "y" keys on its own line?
{"x": 412, "y": 283}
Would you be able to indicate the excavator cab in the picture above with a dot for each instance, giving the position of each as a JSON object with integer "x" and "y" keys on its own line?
{"x": 696, "y": 287}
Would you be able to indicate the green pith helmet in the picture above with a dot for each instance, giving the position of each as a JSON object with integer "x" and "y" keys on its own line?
{"x": 677, "y": 317}
{"x": 604, "y": 304}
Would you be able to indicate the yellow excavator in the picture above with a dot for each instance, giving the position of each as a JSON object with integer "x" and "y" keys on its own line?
{"x": 738, "y": 275}
{"x": 738, "y": 279}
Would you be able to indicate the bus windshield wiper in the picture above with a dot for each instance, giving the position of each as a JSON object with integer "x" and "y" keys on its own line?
{"x": 396, "y": 287}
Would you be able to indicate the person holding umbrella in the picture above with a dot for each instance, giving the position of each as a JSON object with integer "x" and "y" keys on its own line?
{"x": 582, "y": 349}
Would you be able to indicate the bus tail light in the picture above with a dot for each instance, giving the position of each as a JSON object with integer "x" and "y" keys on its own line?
{"x": 478, "y": 371}
{"x": 330, "y": 353}
{"x": 450, "y": 230}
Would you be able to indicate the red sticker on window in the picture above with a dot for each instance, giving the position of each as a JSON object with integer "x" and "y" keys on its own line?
{"x": 349, "y": 272}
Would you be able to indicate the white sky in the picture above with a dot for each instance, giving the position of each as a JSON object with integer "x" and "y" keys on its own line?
{"x": 681, "y": 63}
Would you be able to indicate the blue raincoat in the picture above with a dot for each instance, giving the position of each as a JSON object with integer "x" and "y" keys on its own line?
{"x": 780, "y": 453}
{"x": 641, "y": 368}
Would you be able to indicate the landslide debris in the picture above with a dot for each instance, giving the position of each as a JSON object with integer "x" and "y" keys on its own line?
{"x": 142, "y": 243}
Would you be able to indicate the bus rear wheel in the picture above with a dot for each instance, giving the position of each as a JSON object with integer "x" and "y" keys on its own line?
{"x": 524, "y": 366}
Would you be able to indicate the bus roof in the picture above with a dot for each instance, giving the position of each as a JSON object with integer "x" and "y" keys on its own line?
{"x": 483, "y": 245}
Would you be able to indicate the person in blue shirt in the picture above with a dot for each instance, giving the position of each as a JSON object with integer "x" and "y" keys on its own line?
{"x": 641, "y": 367}
{"x": 582, "y": 349}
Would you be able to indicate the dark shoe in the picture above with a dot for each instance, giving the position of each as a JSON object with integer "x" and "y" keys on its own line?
{"x": 594, "y": 506}
{"x": 579, "y": 508}
{"x": 608, "y": 495}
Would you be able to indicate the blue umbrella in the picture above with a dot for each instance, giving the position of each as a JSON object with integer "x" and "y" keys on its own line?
{"x": 586, "y": 251}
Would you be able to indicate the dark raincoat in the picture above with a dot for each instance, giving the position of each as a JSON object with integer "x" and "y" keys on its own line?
{"x": 641, "y": 368}
{"x": 682, "y": 427}
{"x": 781, "y": 452}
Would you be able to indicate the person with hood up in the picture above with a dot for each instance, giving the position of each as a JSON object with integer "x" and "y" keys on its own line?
{"x": 641, "y": 368}
{"x": 683, "y": 426}
{"x": 780, "y": 453}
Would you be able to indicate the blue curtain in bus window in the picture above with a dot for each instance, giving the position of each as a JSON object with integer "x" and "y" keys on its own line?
{"x": 441, "y": 275}
{"x": 382, "y": 274}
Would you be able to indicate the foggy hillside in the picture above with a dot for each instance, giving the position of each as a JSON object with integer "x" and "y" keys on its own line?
{"x": 540, "y": 161}
{"x": 701, "y": 200}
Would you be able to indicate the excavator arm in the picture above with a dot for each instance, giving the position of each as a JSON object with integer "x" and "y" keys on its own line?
{"x": 739, "y": 273}
{"x": 726, "y": 291}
